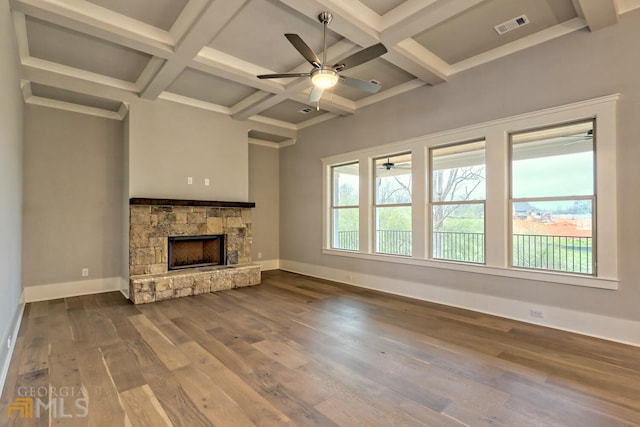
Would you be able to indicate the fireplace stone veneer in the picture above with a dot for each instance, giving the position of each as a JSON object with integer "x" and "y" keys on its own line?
{"x": 153, "y": 221}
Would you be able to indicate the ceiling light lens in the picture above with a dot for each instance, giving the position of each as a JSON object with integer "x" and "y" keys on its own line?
{"x": 324, "y": 78}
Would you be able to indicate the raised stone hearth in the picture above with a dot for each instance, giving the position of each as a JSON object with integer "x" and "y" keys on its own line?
{"x": 153, "y": 221}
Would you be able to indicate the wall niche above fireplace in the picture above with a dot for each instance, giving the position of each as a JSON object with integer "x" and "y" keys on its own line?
{"x": 196, "y": 251}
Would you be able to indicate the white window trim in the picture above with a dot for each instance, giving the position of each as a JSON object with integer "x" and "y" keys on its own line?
{"x": 496, "y": 133}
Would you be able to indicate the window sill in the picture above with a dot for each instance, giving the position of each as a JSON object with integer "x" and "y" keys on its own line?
{"x": 541, "y": 276}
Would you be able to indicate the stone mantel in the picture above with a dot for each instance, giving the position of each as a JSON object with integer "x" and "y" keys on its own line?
{"x": 198, "y": 203}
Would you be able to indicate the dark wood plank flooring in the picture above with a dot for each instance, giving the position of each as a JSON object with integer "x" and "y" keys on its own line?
{"x": 307, "y": 352}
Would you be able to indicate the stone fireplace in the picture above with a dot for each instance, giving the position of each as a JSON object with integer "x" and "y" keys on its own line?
{"x": 186, "y": 247}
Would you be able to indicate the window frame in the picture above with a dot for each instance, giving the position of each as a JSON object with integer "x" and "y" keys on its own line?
{"x": 333, "y": 207}
{"x": 375, "y": 206}
{"x": 497, "y": 209}
{"x": 592, "y": 197}
{"x": 433, "y": 203}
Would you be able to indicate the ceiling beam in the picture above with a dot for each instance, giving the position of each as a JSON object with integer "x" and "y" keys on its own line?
{"x": 69, "y": 78}
{"x": 597, "y": 13}
{"x": 220, "y": 64}
{"x": 208, "y": 24}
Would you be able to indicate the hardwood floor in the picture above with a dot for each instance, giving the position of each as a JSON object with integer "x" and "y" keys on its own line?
{"x": 301, "y": 351}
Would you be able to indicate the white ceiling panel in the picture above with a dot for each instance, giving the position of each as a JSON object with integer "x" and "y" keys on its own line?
{"x": 472, "y": 32}
{"x": 256, "y": 35}
{"x": 382, "y": 6}
{"x": 208, "y": 88}
{"x": 289, "y": 111}
{"x": 159, "y": 13}
{"x": 74, "y": 49}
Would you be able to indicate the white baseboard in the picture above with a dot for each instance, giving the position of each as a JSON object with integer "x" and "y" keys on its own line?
{"x": 12, "y": 332}
{"x": 609, "y": 328}
{"x": 72, "y": 289}
{"x": 268, "y": 264}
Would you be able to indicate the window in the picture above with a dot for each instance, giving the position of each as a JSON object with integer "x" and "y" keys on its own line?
{"x": 514, "y": 197}
{"x": 458, "y": 192}
{"x": 553, "y": 198}
{"x": 392, "y": 204}
{"x": 345, "y": 207}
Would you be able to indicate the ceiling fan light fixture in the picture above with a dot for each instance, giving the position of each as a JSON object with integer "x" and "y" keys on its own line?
{"x": 324, "y": 79}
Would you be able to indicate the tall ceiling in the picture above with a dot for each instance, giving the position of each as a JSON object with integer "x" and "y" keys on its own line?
{"x": 96, "y": 56}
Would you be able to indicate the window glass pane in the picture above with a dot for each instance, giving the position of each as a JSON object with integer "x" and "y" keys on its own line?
{"x": 393, "y": 230}
{"x": 553, "y": 235}
{"x": 346, "y": 185}
{"x": 458, "y": 172}
{"x": 393, "y": 179}
{"x": 346, "y": 230}
{"x": 553, "y": 162}
{"x": 458, "y": 232}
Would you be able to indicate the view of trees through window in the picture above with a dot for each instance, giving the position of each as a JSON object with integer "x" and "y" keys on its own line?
{"x": 393, "y": 204}
{"x": 345, "y": 207}
{"x": 458, "y": 191}
{"x": 553, "y": 197}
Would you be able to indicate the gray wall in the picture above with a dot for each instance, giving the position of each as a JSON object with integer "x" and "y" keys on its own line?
{"x": 73, "y": 180}
{"x": 579, "y": 66}
{"x": 169, "y": 142}
{"x": 264, "y": 190}
{"x": 11, "y": 111}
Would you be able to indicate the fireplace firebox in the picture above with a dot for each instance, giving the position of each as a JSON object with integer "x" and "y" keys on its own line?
{"x": 196, "y": 251}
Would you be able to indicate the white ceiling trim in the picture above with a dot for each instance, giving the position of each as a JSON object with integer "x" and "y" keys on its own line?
{"x": 25, "y": 86}
{"x": 271, "y": 144}
{"x": 207, "y": 25}
{"x": 187, "y": 17}
{"x": 185, "y": 100}
{"x": 88, "y": 18}
{"x": 76, "y": 108}
{"x": 389, "y": 93}
{"x": 428, "y": 60}
{"x": 597, "y": 13}
{"x": 625, "y": 6}
{"x": 59, "y": 69}
{"x": 314, "y": 121}
{"x": 551, "y": 33}
{"x": 228, "y": 67}
{"x": 20, "y": 28}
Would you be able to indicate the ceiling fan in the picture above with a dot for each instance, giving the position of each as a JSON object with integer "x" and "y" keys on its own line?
{"x": 388, "y": 165}
{"x": 323, "y": 75}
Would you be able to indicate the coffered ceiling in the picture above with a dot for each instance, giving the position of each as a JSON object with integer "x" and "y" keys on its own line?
{"x": 98, "y": 56}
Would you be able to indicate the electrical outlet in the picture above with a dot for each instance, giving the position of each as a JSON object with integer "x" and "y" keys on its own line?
{"x": 206, "y": 181}
{"x": 537, "y": 312}
{"x": 259, "y": 255}
{"x": 9, "y": 342}
{"x": 189, "y": 180}
{"x": 85, "y": 272}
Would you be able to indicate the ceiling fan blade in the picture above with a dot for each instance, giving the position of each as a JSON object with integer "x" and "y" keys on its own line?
{"x": 316, "y": 94}
{"x": 278, "y": 76}
{"x": 304, "y": 49}
{"x": 361, "y": 84}
{"x": 361, "y": 57}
